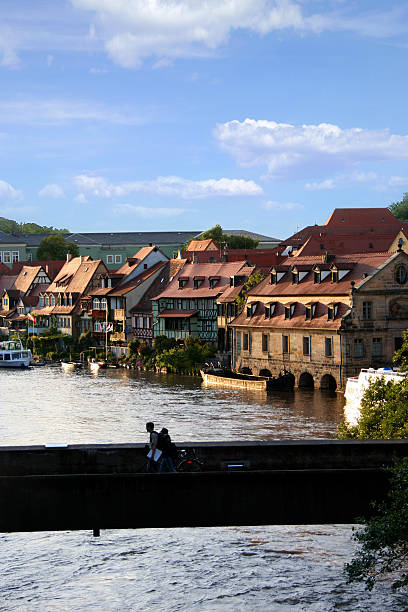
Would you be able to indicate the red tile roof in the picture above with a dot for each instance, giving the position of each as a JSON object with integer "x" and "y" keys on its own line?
{"x": 224, "y": 270}
{"x": 365, "y": 242}
{"x": 363, "y": 265}
{"x": 370, "y": 217}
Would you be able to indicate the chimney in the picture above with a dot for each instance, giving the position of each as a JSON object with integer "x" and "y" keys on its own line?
{"x": 69, "y": 256}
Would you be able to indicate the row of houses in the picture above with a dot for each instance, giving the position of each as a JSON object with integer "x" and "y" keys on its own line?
{"x": 319, "y": 314}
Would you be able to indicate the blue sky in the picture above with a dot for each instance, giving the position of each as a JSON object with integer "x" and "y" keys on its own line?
{"x": 138, "y": 115}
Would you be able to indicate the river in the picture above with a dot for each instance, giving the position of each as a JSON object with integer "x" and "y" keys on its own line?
{"x": 269, "y": 568}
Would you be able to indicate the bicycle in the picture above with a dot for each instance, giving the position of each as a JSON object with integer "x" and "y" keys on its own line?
{"x": 187, "y": 461}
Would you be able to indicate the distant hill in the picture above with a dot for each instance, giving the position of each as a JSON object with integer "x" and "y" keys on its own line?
{"x": 9, "y": 226}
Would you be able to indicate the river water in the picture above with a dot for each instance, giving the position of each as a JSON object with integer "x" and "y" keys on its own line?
{"x": 269, "y": 568}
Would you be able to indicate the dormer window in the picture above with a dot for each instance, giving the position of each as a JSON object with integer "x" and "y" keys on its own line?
{"x": 290, "y": 310}
{"x": 70, "y": 299}
{"x": 270, "y": 310}
{"x": 47, "y": 300}
{"x": 287, "y": 312}
{"x": 183, "y": 280}
{"x": 274, "y": 278}
{"x": 332, "y": 310}
{"x": 316, "y": 277}
{"x": 214, "y": 280}
{"x": 310, "y": 311}
{"x": 295, "y": 277}
{"x": 59, "y": 299}
{"x": 52, "y": 300}
{"x": 41, "y": 302}
{"x": 334, "y": 275}
{"x": 198, "y": 280}
{"x": 251, "y": 309}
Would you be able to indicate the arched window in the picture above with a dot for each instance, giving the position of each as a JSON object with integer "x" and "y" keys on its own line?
{"x": 95, "y": 304}
{"x": 104, "y": 304}
{"x": 52, "y": 300}
{"x": 47, "y": 300}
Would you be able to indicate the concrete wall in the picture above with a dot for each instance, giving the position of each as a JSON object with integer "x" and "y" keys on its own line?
{"x": 101, "y": 486}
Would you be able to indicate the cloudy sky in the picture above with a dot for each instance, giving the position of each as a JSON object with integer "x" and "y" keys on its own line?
{"x": 137, "y": 115}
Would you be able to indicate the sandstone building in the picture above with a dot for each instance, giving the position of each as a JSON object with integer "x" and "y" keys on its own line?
{"x": 323, "y": 318}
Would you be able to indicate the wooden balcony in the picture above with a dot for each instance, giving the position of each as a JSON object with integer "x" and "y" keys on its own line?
{"x": 119, "y": 314}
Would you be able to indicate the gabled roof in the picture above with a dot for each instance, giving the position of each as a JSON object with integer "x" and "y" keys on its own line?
{"x": 76, "y": 275}
{"x": 145, "y": 304}
{"x": 26, "y": 278}
{"x": 364, "y": 265}
{"x": 202, "y": 245}
{"x": 10, "y": 239}
{"x": 365, "y": 242}
{"x": 371, "y": 217}
{"x": 125, "y": 287}
{"x": 224, "y": 270}
{"x": 132, "y": 262}
{"x": 6, "y": 282}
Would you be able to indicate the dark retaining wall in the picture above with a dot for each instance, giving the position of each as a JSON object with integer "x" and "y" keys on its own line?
{"x": 100, "y": 486}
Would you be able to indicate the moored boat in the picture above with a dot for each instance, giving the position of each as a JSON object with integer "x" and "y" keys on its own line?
{"x": 95, "y": 366}
{"x": 69, "y": 366}
{"x": 356, "y": 386}
{"x": 14, "y": 355}
{"x": 225, "y": 378}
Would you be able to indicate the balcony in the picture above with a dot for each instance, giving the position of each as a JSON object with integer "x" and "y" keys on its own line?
{"x": 119, "y": 314}
{"x": 118, "y": 337}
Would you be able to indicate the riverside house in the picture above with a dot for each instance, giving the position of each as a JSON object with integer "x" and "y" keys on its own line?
{"x": 20, "y": 295}
{"x": 188, "y": 305}
{"x": 324, "y": 318}
{"x": 60, "y": 305}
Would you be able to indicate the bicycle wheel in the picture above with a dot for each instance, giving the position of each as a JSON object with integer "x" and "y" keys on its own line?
{"x": 189, "y": 465}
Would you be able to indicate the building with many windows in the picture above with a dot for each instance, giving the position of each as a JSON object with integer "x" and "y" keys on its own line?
{"x": 188, "y": 305}
{"x": 324, "y": 318}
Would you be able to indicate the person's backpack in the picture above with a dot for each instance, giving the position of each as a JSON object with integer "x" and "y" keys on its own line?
{"x": 163, "y": 441}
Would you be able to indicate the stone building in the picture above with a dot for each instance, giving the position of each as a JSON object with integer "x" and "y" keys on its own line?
{"x": 324, "y": 318}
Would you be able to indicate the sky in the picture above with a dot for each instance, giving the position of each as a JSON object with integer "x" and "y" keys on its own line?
{"x": 155, "y": 115}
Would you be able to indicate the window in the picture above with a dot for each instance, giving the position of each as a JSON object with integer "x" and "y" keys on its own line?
{"x": 182, "y": 282}
{"x": 367, "y": 311}
{"x": 316, "y": 276}
{"x": 213, "y": 282}
{"x": 295, "y": 278}
{"x": 118, "y": 259}
{"x": 109, "y": 259}
{"x": 306, "y": 345}
{"x": 328, "y": 347}
{"x": 335, "y": 276}
{"x": 197, "y": 281}
{"x": 7, "y": 257}
{"x": 377, "y": 347}
{"x": 52, "y": 300}
{"x": 95, "y": 304}
{"x": 285, "y": 344}
{"x": 401, "y": 274}
{"x": 15, "y": 256}
{"x": 1, "y": 256}
{"x": 358, "y": 347}
{"x": 330, "y": 313}
{"x": 104, "y": 304}
{"x": 245, "y": 344}
{"x": 397, "y": 343}
{"x": 238, "y": 342}
{"x": 287, "y": 312}
{"x": 264, "y": 343}
{"x": 308, "y": 313}
{"x": 274, "y": 278}
{"x": 47, "y": 300}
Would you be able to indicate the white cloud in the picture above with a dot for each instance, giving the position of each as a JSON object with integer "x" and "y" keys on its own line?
{"x": 81, "y": 199}
{"x": 398, "y": 181}
{"x": 8, "y": 193}
{"x": 60, "y": 112}
{"x": 282, "y": 147}
{"x": 282, "y": 206}
{"x": 51, "y": 191}
{"x": 8, "y": 46}
{"x": 133, "y": 30}
{"x": 50, "y": 59}
{"x": 343, "y": 180}
{"x": 99, "y": 187}
{"x": 149, "y": 213}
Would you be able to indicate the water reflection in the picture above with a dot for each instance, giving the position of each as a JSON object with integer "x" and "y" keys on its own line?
{"x": 47, "y": 405}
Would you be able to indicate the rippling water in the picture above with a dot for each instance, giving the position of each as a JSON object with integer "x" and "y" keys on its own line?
{"x": 228, "y": 569}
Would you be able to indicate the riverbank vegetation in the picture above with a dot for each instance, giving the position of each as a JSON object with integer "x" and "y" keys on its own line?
{"x": 383, "y": 538}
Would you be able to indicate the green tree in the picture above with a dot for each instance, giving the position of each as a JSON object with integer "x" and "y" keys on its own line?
{"x": 9, "y": 226}
{"x": 383, "y": 538}
{"x": 163, "y": 343}
{"x": 231, "y": 240}
{"x": 56, "y": 247}
{"x": 400, "y": 209}
{"x": 253, "y": 280}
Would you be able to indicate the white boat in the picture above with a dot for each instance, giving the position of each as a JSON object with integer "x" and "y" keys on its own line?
{"x": 95, "y": 366}
{"x": 14, "y": 355}
{"x": 356, "y": 387}
{"x": 69, "y": 366}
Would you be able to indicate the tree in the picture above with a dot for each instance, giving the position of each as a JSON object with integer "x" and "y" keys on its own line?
{"x": 384, "y": 537}
{"x": 400, "y": 209}
{"x": 9, "y": 226}
{"x": 56, "y": 247}
{"x": 231, "y": 240}
{"x": 253, "y": 280}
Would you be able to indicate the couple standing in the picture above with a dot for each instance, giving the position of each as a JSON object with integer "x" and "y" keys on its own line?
{"x": 162, "y": 442}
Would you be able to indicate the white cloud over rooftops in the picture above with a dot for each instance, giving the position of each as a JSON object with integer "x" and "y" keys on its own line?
{"x": 284, "y": 148}
{"x": 8, "y": 193}
{"x": 99, "y": 187}
{"x": 148, "y": 212}
{"x": 51, "y": 191}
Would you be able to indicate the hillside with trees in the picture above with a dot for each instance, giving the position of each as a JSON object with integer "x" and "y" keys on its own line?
{"x": 231, "y": 240}
{"x": 9, "y": 226}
